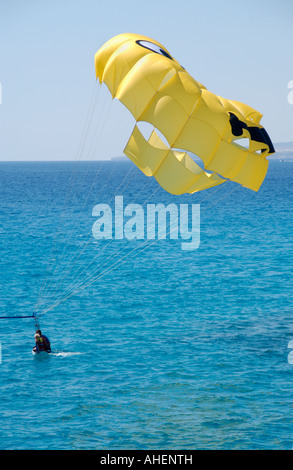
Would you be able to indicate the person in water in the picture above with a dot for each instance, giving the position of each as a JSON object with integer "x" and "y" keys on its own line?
{"x": 42, "y": 343}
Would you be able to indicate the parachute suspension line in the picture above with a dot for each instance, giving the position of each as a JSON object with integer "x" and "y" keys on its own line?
{"x": 65, "y": 270}
{"x": 37, "y": 323}
{"x": 105, "y": 246}
{"x": 95, "y": 140}
{"x": 122, "y": 260}
{"x": 127, "y": 243}
{"x": 222, "y": 198}
{"x": 93, "y": 100}
{"x": 99, "y": 130}
{"x": 44, "y": 292}
{"x": 219, "y": 188}
{"x": 58, "y": 264}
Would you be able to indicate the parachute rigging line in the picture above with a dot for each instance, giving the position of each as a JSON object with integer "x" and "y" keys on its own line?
{"x": 101, "y": 251}
{"x": 106, "y": 245}
{"x": 85, "y": 243}
{"x": 93, "y": 101}
{"x": 90, "y": 280}
{"x": 72, "y": 183}
{"x": 127, "y": 243}
{"x": 51, "y": 273}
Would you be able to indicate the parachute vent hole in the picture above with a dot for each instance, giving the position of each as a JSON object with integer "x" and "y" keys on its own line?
{"x": 242, "y": 142}
{"x": 162, "y": 137}
{"x": 196, "y": 159}
{"x": 146, "y": 129}
{"x": 193, "y": 156}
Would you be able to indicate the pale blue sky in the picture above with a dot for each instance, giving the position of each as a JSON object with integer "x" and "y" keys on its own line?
{"x": 238, "y": 50}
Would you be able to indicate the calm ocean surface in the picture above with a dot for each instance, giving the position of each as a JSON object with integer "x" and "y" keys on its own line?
{"x": 172, "y": 349}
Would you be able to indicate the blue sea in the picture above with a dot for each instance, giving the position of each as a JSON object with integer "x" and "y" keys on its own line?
{"x": 153, "y": 347}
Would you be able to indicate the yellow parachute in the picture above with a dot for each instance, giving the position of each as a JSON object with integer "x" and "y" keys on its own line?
{"x": 156, "y": 89}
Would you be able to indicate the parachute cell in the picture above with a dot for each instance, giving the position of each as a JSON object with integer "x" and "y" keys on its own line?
{"x": 156, "y": 89}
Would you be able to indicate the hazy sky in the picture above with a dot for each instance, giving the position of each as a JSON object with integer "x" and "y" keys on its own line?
{"x": 238, "y": 50}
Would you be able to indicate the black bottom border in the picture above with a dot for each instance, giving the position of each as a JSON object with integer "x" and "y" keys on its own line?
{"x": 134, "y": 459}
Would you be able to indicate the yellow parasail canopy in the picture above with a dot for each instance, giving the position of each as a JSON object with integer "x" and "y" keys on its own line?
{"x": 156, "y": 89}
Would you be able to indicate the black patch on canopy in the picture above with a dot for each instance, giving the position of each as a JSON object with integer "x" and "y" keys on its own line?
{"x": 256, "y": 134}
